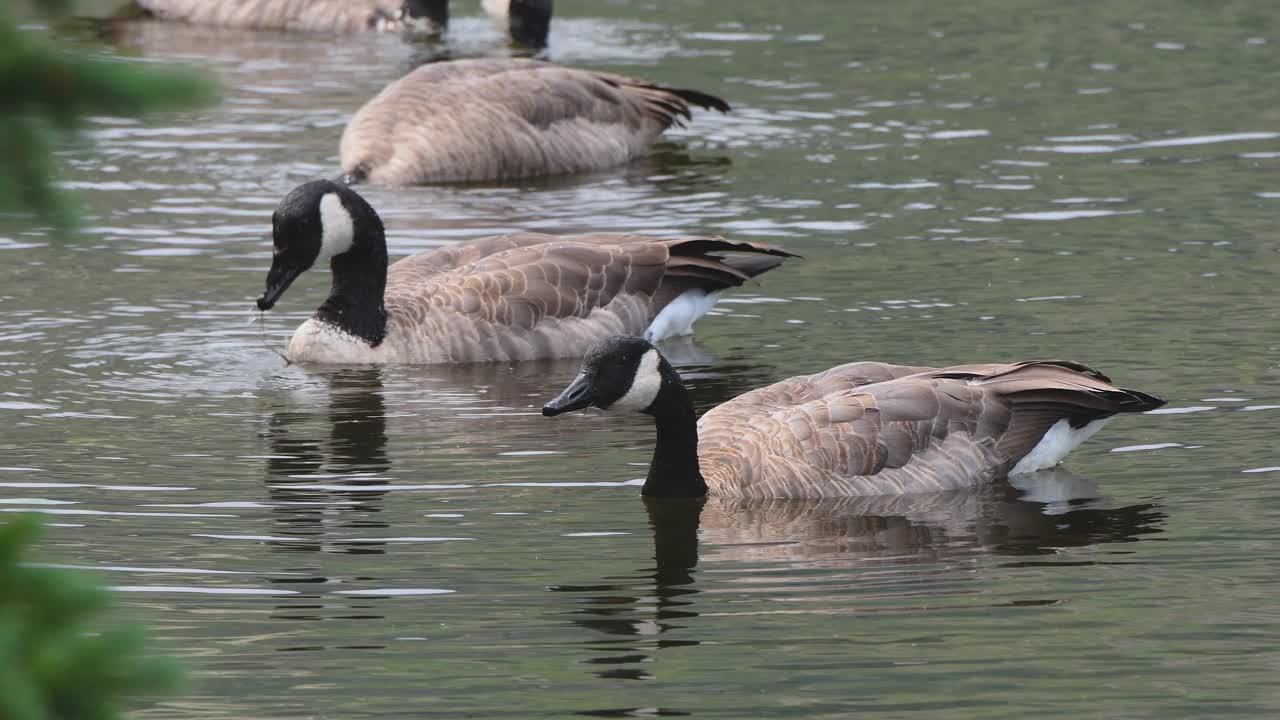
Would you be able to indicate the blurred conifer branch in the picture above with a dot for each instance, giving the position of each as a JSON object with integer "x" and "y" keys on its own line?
{"x": 49, "y": 86}
{"x": 59, "y": 657}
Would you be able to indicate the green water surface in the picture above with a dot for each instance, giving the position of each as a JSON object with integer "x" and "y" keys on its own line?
{"x": 982, "y": 181}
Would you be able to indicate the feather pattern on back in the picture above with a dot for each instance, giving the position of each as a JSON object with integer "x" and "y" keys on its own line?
{"x": 528, "y": 296}
{"x": 338, "y": 16}
{"x": 877, "y": 429}
{"x": 494, "y": 119}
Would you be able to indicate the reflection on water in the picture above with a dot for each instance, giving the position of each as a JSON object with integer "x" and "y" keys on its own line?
{"x": 996, "y": 518}
{"x": 634, "y": 623}
{"x": 865, "y": 550}
{"x": 354, "y": 449}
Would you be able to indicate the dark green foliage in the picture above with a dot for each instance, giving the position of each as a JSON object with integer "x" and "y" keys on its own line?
{"x": 57, "y": 659}
{"x": 47, "y": 89}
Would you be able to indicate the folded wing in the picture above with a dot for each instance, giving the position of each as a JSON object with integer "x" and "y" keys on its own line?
{"x": 493, "y": 119}
{"x": 530, "y": 295}
{"x": 924, "y": 431}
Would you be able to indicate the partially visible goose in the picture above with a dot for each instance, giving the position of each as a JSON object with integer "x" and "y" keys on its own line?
{"x": 508, "y": 297}
{"x": 337, "y": 16}
{"x": 858, "y": 429}
{"x": 528, "y": 22}
{"x": 500, "y": 119}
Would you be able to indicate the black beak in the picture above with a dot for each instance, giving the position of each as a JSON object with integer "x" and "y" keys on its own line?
{"x": 279, "y": 278}
{"x": 574, "y": 397}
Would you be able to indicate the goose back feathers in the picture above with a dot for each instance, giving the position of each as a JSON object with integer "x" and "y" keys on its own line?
{"x": 859, "y": 429}
{"x": 511, "y": 297}
{"x": 336, "y": 16}
{"x": 498, "y": 119}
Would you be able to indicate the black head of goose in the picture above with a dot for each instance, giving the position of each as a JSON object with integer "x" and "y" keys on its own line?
{"x": 492, "y": 119}
{"x": 336, "y": 16}
{"x": 858, "y": 429}
{"x": 522, "y": 296}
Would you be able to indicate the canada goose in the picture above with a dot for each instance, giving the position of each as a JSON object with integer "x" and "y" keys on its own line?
{"x": 858, "y": 429}
{"x": 508, "y": 297}
{"x": 528, "y": 22}
{"x": 338, "y": 16}
{"x": 499, "y": 119}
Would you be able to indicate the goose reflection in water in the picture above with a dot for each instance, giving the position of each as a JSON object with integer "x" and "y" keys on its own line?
{"x": 1063, "y": 511}
{"x": 354, "y": 446}
{"x": 842, "y": 555}
{"x": 324, "y": 468}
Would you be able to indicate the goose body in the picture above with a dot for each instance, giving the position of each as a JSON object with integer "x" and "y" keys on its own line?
{"x": 864, "y": 428}
{"x": 335, "y": 16}
{"x": 508, "y": 118}
{"x": 510, "y": 297}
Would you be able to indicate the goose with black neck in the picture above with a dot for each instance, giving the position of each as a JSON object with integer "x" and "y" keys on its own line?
{"x": 522, "y": 296}
{"x": 863, "y": 428}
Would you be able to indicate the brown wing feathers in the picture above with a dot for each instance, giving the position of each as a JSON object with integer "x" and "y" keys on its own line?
{"x": 475, "y": 120}
{"x": 1079, "y": 391}
{"x": 1014, "y": 405}
{"x": 341, "y": 16}
{"x": 691, "y": 264}
{"x": 1041, "y": 393}
{"x": 668, "y": 105}
{"x": 518, "y": 280}
{"x": 868, "y": 428}
{"x": 690, "y": 257}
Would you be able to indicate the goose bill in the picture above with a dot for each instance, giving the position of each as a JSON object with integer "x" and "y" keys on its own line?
{"x": 575, "y": 397}
{"x": 279, "y": 278}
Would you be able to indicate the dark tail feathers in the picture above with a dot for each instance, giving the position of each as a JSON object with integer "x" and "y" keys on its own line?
{"x": 699, "y": 98}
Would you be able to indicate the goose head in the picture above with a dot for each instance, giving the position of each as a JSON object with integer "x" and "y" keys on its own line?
{"x": 618, "y": 373}
{"x": 316, "y": 222}
{"x": 628, "y": 373}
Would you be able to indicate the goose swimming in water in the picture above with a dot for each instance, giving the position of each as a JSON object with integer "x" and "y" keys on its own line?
{"x": 509, "y": 118}
{"x": 509, "y": 297}
{"x": 335, "y": 16}
{"x": 859, "y": 429}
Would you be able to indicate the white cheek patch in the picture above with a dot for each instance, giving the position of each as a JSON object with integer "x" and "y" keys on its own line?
{"x": 644, "y": 386}
{"x": 337, "y": 229}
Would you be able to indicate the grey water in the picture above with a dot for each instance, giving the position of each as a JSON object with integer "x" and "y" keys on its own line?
{"x": 980, "y": 181}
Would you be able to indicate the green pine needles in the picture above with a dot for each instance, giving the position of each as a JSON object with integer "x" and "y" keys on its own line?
{"x": 47, "y": 89}
{"x": 60, "y": 658}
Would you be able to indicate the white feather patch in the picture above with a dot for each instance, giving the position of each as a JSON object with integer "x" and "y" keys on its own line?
{"x": 644, "y": 386}
{"x": 678, "y": 316}
{"x": 316, "y": 341}
{"x": 1054, "y": 446}
{"x": 337, "y": 229}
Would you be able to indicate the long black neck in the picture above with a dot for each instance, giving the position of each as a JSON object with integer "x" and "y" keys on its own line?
{"x": 529, "y": 22}
{"x": 355, "y": 302}
{"x": 674, "y": 471}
